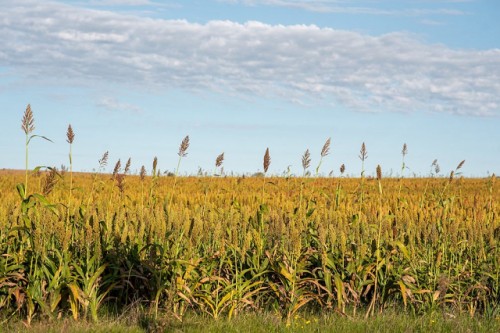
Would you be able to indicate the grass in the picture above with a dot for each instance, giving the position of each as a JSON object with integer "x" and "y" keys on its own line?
{"x": 267, "y": 322}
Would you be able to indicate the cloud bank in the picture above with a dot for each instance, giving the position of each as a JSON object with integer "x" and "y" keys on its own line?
{"x": 392, "y": 72}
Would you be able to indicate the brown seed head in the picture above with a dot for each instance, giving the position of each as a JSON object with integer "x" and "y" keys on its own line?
{"x": 219, "y": 160}
{"x": 117, "y": 168}
{"x": 326, "y": 148}
{"x": 155, "y": 164}
{"x": 436, "y": 166}
{"x": 342, "y": 169}
{"x": 363, "y": 154}
{"x": 452, "y": 173}
{"x": 142, "y": 174}
{"x": 460, "y": 165}
{"x": 104, "y": 160}
{"x": 306, "y": 159}
{"x": 120, "y": 182}
{"x": 49, "y": 181}
{"x": 127, "y": 166}
{"x": 379, "y": 172}
{"x": 184, "y": 147}
{"x": 28, "y": 123}
{"x": 267, "y": 160}
{"x": 70, "y": 135}
{"x": 404, "y": 151}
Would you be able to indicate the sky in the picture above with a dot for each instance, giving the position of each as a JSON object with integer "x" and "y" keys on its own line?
{"x": 134, "y": 77}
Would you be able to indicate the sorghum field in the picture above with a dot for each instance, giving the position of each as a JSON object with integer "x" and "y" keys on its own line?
{"x": 86, "y": 245}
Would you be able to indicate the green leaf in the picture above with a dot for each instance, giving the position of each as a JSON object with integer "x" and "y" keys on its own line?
{"x": 38, "y": 168}
{"x": 39, "y": 136}
{"x": 21, "y": 190}
{"x": 339, "y": 284}
{"x": 285, "y": 273}
{"x": 403, "y": 249}
{"x": 96, "y": 275}
{"x": 42, "y": 199}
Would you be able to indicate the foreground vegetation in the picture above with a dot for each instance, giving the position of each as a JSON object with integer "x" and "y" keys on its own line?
{"x": 186, "y": 249}
{"x": 135, "y": 322}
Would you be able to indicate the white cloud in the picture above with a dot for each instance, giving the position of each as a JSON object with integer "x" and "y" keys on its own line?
{"x": 345, "y": 7}
{"x": 396, "y": 72}
{"x": 121, "y": 3}
{"x": 111, "y": 104}
{"x": 431, "y": 22}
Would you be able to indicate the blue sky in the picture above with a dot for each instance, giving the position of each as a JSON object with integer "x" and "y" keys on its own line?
{"x": 133, "y": 77}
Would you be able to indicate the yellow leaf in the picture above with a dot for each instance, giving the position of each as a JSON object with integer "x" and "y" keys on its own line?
{"x": 435, "y": 296}
{"x": 403, "y": 291}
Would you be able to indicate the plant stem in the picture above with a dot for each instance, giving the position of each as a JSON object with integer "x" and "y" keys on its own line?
{"x": 26, "y": 167}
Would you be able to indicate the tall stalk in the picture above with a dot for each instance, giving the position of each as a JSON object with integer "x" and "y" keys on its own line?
{"x": 70, "y": 137}
{"x": 339, "y": 186}
{"x": 154, "y": 179}
{"x": 28, "y": 126}
{"x": 266, "y": 164}
{"x": 306, "y": 162}
{"x": 363, "y": 155}
{"x": 182, "y": 153}
{"x": 324, "y": 151}
{"x": 371, "y": 308}
{"x": 404, "y": 152}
